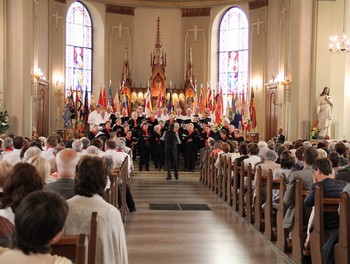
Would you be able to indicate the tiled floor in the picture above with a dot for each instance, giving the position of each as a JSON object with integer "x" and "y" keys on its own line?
{"x": 207, "y": 237}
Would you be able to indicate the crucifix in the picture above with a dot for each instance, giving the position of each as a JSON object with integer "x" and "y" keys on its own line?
{"x": 57, "y": 17}
{"x": 284, "y": 14}
{"x": 257, "y": 24}
{"x": 59, "y": 96}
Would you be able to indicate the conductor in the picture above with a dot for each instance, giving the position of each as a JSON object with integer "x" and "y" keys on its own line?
{"x": 171, "y": 139}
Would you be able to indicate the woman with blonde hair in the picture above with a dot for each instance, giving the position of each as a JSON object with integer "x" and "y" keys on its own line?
{"x": 6, "y": 170}
{"x": 43, "y": 167}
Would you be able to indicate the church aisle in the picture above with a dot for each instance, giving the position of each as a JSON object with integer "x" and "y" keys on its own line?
{"x": 178, "y": 236}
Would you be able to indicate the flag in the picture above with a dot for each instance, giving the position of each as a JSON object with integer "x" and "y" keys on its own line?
{"x": 201, "y": 103}
{"x": 104, "y": 97}
{"x": 86, "y": 106}
{"x": 71, "y": 104}
{"x": 116, "y": 103}
{"x": 170, "y": 102}
{"x": 233, "y": 105}
{"x": 110, "y": 97}
{"x": 252, "y": 109}
{"x": 218, "y": 107}
{"x": 160, "y": 99}
{"x": 78, "y": 103}
{"x": 125, "y": 103}
{"x": 245, "y": 113}
{"x": 148, "y": 104}
{"x": 228, "y": 107}
{"x": 100, "y": 97}
{"x": 209, "y": 103}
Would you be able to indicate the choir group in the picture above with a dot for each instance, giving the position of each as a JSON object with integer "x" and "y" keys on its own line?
{"x": 143, "y": 133}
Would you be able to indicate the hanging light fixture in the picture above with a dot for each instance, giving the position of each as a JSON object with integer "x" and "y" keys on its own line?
{"x": 340, "y": 44}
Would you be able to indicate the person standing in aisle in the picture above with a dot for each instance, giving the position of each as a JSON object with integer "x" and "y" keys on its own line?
{"x": 171, "y": 140}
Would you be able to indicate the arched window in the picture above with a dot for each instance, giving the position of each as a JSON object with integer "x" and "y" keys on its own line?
{"x": 233, "y": 54}
{"x": 78, "y": 52}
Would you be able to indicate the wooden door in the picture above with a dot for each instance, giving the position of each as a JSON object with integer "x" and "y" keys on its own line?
{"x": 43, "y": 110}
{"x": 272, "y": 108}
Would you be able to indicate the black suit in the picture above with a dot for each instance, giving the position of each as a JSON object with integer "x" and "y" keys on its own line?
{"x": 63, "y": 186}
{"x": 280, "y": 138}
{"x": 171, "y": 140}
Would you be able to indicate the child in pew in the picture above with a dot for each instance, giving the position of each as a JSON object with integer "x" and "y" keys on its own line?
{"x": 331, "y": 189}
{"x": 39, "y": 222}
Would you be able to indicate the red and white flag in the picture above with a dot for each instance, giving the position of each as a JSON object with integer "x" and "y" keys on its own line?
{"x": 148, "y": 104}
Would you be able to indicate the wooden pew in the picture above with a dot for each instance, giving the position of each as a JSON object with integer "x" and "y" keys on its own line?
{"x": 74, "y": 248}
{"x": 268, "y": 212}
{"x": 93, "y": 239}
{"x": 342, "y": 249}
{"x": 258, "y": 200}
{"x": 124, "y": 175}
{"x": 249, "y": 195}
{"x": 228, "y": 175}
{"x": 201, "y": 172}
{"x": 242, "y": 174}
{"x": 108, "y": 195}
{"x": 298, "y": 227}
{"x": 236, "y": 170}
{"x": 317, "y": 236}
{"x": 211, "y": 172}
{"x": 281, "y": 235}
{"x": 114, "y": 187}
{"x": 220, "y": 175}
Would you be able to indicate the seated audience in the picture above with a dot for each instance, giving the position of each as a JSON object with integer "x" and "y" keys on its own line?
{"x": 24, "y": 180}
{"x": 253, "y": 158}
{"x": 331, "y": 189}
{"x": 340, "y": 147}
{"x": 90, "y": 183}
{"x": 14, "y": 156}
{"x": 286, "y": 161}
{"x": 6, "y": 231}
{"x": 109, "y": 164}
{"x": 6, "y": 170}
{"x": 334, "y": 158}
{"x": 86, "y": 144}
{"x": 306, "y": 174}
{"x": 93, "y": 150}
{"x": 8, "y": 145}
{"x": 31, "y": 152}
{"x": 66, "y": 161}
{"x": 39, "y": 222}
{"x": 343, "y": 174}
{"x": 299, "y": 164}
{"x": 43, "y": 167}
{"x": 78, "y": 146}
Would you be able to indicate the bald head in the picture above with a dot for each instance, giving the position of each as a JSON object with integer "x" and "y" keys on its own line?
{"x": 66, "y": 161}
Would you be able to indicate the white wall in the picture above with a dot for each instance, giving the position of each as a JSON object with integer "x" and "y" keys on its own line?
{"x": 145, "y": 24}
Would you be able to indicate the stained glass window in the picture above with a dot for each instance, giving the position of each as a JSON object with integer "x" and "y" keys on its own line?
{"x": 78, "y": 52}
{"x": 233, "y": 54}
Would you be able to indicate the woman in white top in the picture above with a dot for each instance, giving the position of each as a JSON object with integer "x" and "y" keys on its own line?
{"x": 90, "y": 182}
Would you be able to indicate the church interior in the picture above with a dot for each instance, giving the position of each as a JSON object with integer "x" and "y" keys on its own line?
{"x": 275, "y": 59}
{"x": 288, "y": 58}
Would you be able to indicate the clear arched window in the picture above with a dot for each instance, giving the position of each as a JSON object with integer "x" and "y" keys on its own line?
{"x": 78, "y": 51}
{"x": 233, "y": 53}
